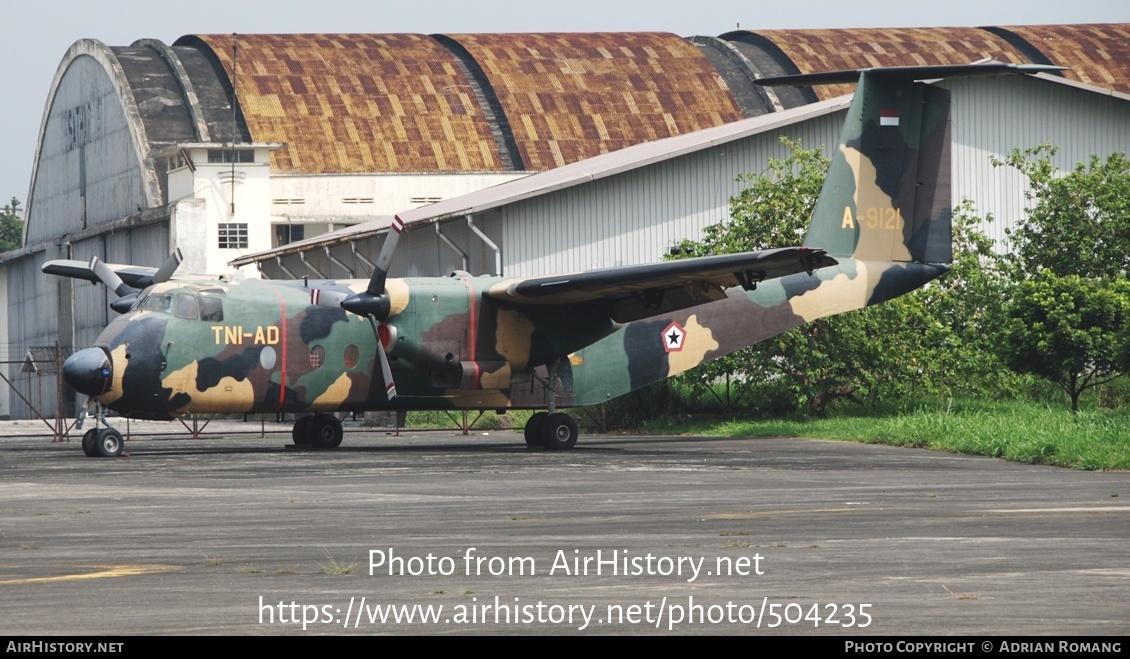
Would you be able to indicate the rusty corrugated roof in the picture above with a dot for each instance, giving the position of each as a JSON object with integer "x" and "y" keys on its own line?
{"x": 358, "y": 103}
{"x": 1096, "y": 54}
{"x": 813, "y": 51}
{"x": 571, "y": 96}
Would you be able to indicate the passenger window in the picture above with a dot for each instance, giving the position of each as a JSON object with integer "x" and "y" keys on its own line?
{"x": 185, "y": 306}
{"x": 211, "y": 309}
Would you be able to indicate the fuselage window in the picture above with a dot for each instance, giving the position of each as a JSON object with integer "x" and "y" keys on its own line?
{"x": 185, "y": 306}
{"x": 352, "y": 356}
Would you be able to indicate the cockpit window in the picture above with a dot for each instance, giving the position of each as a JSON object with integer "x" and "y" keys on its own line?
{"x": 158, "y": 302}
{"x": 185, "y": 306}
{"x": 211, "y": 309}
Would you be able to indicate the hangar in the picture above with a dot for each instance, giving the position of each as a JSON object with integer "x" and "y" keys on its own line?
{"x": 505, "y": 154}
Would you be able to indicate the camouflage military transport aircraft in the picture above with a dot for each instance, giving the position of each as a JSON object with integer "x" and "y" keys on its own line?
{"x": 881, "y": 228}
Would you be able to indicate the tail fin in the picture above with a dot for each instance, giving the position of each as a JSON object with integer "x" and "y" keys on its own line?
{"x": 888, "y": 194}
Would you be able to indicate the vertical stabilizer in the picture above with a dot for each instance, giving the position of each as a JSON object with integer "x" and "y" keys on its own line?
{"x": 887, "y": 196}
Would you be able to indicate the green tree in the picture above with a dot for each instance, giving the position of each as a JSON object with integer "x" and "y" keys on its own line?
{"x": 1072, "y": 330}
{"x": 1079, "y": 222}
{"x": 11, "y": 227}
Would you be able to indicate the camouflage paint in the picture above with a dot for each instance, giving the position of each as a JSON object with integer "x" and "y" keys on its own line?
{"x": 477, "y": 342}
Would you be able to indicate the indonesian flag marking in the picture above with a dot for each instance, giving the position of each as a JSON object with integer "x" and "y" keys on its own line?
{"x": 888, "y": 117}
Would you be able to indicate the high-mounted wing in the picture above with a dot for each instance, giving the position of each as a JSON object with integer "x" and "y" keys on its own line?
{"x": 634, "y": 292}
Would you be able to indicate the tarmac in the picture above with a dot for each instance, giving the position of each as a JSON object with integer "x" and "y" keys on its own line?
{"x": 439, "y": 533}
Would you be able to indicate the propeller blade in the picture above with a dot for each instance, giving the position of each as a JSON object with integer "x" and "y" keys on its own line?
{"x": 386, "y": 371}
{"x": 168, "y": 267}
{"x": 323, "y": 297}
{"x": 110, "y": 278}
{"x": 384, "y": 260}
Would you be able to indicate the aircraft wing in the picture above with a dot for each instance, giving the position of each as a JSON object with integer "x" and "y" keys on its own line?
{"x": 634, "y": 292}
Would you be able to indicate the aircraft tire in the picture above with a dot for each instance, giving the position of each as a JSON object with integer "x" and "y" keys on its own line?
{"x": 325, "y": 431}
{"x": 533, "y": 426}
{"x": 559, "y": 432}
{"x": 109, "y": 443}
{"x": 298, "y": 433}
{"x": 88, "y": 439}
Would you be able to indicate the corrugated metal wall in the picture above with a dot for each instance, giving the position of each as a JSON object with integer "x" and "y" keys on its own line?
{"x": 992, "y": 116}
{"x": 636, "y": 217}
{"x": 32, "y": 321}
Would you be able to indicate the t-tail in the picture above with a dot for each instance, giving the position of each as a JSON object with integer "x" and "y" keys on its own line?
{"x": 887, "y": 193}
{"x": 887, "y": 196}
{"x": 884, "y": 215}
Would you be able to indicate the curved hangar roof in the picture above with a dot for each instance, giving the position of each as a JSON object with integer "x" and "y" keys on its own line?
{"x": 1098, "y": 54}
{"x": 411, "y": 103}
{"x": 490, "y": 102}
{"x": 462, "y": 103}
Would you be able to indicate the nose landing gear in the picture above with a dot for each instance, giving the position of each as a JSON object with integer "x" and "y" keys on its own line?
{"x": 100, "y": 442}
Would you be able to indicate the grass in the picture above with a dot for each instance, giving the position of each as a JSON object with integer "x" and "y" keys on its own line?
{"x": 1022, "y": 432}
{"x": 334, "y": 567}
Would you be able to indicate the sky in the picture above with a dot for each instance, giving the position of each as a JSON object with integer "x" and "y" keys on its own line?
{"x": 38, "y": 34}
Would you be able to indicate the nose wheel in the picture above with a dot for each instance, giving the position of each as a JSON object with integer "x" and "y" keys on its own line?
{"x": 101, "y": 441}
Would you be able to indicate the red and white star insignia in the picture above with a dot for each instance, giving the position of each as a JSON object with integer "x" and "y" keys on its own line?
{"x": 673, "y": 337}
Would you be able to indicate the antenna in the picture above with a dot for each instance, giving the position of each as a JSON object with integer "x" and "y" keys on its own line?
{"x": 234, "y": 123}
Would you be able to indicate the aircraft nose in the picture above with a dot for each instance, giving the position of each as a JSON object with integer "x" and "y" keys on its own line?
{"x": 88, "y": 371}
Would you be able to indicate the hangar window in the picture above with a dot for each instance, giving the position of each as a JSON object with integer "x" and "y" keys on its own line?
{"x": 231, "y": 155}
{"x": 288, "y": 233}
{"x": 177, "y": 161}
{"x": 233, "y": 235}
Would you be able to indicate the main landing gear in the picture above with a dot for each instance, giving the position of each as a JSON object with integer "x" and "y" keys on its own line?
{"x": 553, "y": 430}
{"x": 318, "y": 431}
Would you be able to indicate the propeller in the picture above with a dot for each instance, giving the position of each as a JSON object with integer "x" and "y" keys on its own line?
{"x": 127, "y": 295}
{"x": 374, "y": 302}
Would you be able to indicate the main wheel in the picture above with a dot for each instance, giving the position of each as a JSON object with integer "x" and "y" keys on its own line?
{"x": 533, "y": 437}
{"x": 298, "y": 433}
{"x": 558, "y": 431}
{"x": 325, "y": 431}
{"x": 88, "y": 443}
{"x": 109, "y": 443}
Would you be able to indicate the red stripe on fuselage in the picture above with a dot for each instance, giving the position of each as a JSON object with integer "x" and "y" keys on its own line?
{"x": 283, "y": 341}
{"x": 472, "y": 327}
